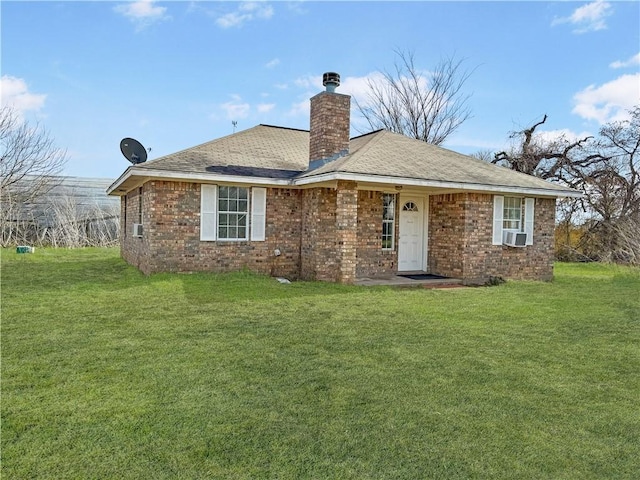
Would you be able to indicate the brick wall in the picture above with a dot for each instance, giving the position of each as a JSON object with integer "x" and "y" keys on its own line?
{"x": 342, "y": 235}
{"x": 533, "y": 262}
{"x": 135, "y": 250}
{"x": 171, "y": 242}
{"x": 329, "y": 234}
{"x": 372, "y": 261}
{"x": 329, "y": 125}
{"x": 460, "y": 241}
{"x": 346, "y": 230}
{"x": 446, "y": 235}
{"x": 318, "y": 243}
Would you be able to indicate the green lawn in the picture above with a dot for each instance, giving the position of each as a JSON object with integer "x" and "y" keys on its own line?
{"x": 107, "y": 373}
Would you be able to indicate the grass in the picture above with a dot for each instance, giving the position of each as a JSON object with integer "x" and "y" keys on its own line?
{"x": 107, "y": 373}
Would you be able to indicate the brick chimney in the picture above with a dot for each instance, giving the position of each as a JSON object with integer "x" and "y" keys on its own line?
{"x": 330, "y": 123}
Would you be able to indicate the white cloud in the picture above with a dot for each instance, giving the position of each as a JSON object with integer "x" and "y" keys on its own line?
{"x": 547, "y": 136}
{"x": 245, "y": 12}
{"x": 236, "y": 108}
{"x": 142, "y": 12}
{"x": 15, "y": 93}
{"x": 609, "y": 101}
{"x": 312, "y": 85}
{"x": 587, "y": 18}
{"x": 630, "y": 62}
{"x": 309, "y": 81}
{"x": 265, "y": 107}
{"x": 298, "y": 6}
{"x": 358, "y": 87}
{"x": 354, "y": 86}
{"x": 300, "y": 108}
{"x": 273, "y": 63}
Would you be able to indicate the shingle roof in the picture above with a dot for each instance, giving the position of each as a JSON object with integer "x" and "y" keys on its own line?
{"x": 390, "y": 154}
{"x": 263, "y": 146}
{"x": 282, "y": 153}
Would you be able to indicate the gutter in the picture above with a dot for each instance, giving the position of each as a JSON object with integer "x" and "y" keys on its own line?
{"x": 416, "y": 182}
{"x": 199, "y": 177}
{"x": 335, "y": 176}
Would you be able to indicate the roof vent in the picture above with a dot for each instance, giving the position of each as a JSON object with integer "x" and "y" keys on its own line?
{"x": 331, "y": 80}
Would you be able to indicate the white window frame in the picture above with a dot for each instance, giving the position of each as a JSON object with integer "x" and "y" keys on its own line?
{"x": 525, "y": 220}
{"x": 210, "y": 213}
{"x": 389, "y": 221}
{"x": 512, "y": 213}
{"x": 233, "y": 212}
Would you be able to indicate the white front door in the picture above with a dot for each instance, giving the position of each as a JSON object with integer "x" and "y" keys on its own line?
{"x": 411, "y": 246}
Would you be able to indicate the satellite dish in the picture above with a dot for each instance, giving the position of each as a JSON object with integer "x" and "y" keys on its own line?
{"x": 133, "y": 150}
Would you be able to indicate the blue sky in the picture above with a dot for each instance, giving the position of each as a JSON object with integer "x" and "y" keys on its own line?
{"x": 176, "y": 74}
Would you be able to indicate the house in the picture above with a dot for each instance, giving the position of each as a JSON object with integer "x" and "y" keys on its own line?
{"x": 317, "y": 205}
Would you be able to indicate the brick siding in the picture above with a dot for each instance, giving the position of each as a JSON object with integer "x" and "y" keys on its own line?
{"x": 346, "y": 230}
{"x": 171, "y": 240}
{"x": 372, "y": 261}
{"x": 135, "y": 250}
{"x": 329, "y": 125}
{"x": 330, "y": 234}
{"x": 318, "y": 252}
{"x": 460, "y": 241}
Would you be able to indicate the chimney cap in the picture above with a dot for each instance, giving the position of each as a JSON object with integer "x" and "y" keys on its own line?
{"x": 331, "y": 80}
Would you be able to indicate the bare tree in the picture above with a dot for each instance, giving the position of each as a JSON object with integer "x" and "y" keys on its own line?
{"x": 551, "y": 159}
{"x": 428, "y": 106}
{"x": 612, "y": 192}
{"x": 606, "y": 169}
{"x": 29, "y": 160}
{"x": 73, "y": 225}
{"x": 486, "y": 155}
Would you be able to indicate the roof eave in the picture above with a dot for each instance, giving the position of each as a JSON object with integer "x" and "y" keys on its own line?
{"x": 132, "y": 178}
{"x": 417, "y": 182}
{"x": 119, "y": 181}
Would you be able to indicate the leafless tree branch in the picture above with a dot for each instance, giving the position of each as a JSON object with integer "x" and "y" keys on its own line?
{"x": 428, "y": 106}
{"x": 29, "y": 163}
{"x": 605, "y": 168}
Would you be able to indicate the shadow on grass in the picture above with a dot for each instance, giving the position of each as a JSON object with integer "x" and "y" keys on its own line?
{"x": 205, "y": 288}
{"x": 102, "y": 268}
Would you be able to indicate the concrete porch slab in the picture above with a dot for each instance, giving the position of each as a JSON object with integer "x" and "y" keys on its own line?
{"x": 399, "y": 281}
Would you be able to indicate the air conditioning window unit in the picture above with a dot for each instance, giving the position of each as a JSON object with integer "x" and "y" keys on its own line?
{"x": 137, "y": 229}
{"x": 514, "y": 239}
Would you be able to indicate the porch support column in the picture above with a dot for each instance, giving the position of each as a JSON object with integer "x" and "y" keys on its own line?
{"x": 346, "y": 230}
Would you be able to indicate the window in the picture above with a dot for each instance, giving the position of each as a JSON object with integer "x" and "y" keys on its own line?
{"x": 233, "y": 209}
{"x": 137, "y": 225}
{"x": 410, "y": 207}
{"x": 512, "y": 214}
{"x": 227, "y": 214}
{"x": 388, "y": 221}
